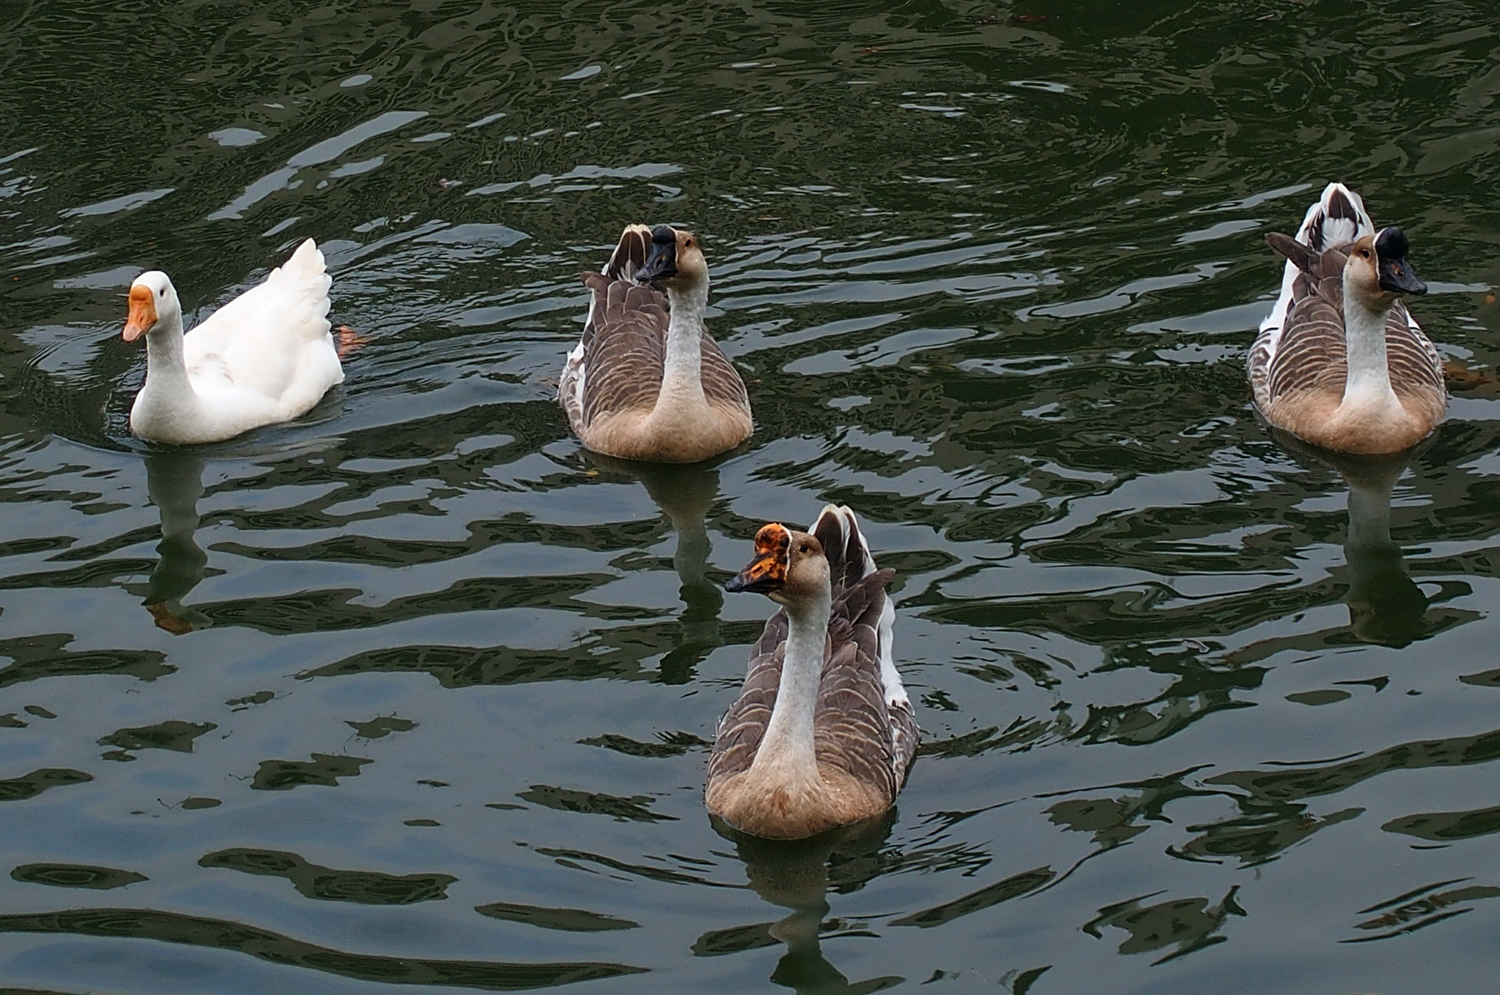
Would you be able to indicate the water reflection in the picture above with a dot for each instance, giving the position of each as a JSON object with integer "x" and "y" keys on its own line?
{"x": 282, "y": 949}
{"x": 331, "y": 883}
{"x": 1112, "y": 821}
{"x": 1414, "y": 910}
{"x": 174, "y": 481}
{"x": 1180, "y": 925}
{"x": 1275, "y": 815}
{"x": 1385, "y": 605}
{"x": 797, "y": 876}
{"x": 685, "y": 494}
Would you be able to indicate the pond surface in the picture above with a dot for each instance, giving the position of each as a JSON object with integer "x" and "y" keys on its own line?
{"x": 414, "y": 694}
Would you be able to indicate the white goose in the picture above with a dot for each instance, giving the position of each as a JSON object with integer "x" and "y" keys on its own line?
{"x": 265, "y": 357}
{"x": 822, "y": 734}
{"x": 1339, "y": 362}
{"x": 647, "y": 381}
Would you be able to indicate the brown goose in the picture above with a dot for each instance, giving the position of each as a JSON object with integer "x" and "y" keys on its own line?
{"x": 822, "y": 733}
{"x": 1339, "y": 362}
{"x": 647, "y": 381}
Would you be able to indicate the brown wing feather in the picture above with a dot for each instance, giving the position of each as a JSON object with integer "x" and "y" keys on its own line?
{"x": 905, "y": 736}
{"x": 1416, "y": 367}
{"x": 1311, "y": 352}
{"x": 1311, "y": 355}
{"x": 744, "y": 724}
{"x": 722, "y": 384}
{"x": 624, "y": 346}
{"x": 852, "y": 728}
{"x": 849, "y": 564}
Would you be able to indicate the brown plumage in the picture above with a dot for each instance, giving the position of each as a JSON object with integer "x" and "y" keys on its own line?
{"x": 863, "y": 737}
{"x": 1299, "y": 366}
{"x": 636, "y": 386}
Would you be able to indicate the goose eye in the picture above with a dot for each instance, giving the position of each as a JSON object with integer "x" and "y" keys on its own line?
{"x": 804, "y": 548}
{"x": 162, "y": 292}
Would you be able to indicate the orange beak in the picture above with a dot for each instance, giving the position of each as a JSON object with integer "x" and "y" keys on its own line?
{"x": 768, "y": 570}
{"x": 142, "y": 314}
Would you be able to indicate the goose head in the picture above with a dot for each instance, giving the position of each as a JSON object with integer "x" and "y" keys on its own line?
{"x": 153, "y": 304}
{"x": 674, "y": 259}
{"x": 1378, "y": 273}
{"x": 789, "y": 567}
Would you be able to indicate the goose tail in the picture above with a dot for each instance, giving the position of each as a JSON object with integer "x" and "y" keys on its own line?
{"x": 849, "y": 562}
{"x": 630, "y": 254}
{"x": 1338, "y": 218}
{"x": 304, "y": 281}
{"x": 849, "y": 557}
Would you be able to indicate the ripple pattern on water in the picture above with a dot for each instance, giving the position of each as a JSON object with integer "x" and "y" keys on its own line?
{"x": 1200, "y": 708}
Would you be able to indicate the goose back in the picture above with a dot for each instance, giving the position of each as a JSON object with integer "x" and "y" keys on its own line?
{"x": 274, "y": 338}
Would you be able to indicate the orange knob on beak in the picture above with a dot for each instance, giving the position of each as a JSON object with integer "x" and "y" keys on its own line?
{"x": 142, "y": 314}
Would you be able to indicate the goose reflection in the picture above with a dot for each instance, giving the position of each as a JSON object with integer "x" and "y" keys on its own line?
{"x": 1385, "y": 605}
{"x": 685, "y": 493}
{"x": 174, "y": 482}
{"x": 796, "y": 875}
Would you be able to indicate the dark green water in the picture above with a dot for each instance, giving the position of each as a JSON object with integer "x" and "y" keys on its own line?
{"x": 436, "y": 709}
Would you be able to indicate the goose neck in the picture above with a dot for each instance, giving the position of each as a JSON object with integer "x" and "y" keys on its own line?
{"x": 166, "y": 365}
{"x": 682, "y": 373}
{"x": 789, "y": 734}
{"x": 168, "y": 408}
{"x": 1368, "y": 381}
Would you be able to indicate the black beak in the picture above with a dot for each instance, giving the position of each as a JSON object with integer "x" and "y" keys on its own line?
{"x": 754, "y": 585}
{"x": 661, "y": 256}
{"x": 1396, "y": 274}
{"x": 763, "y": 575}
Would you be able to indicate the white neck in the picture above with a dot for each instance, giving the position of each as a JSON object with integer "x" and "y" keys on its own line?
{"x": 167, "y": 399}
{"x": 788, "y": 741}
{"x": 682, "y": 376}
{"x": 1368, "y": 381}
{"x": 166, "y": 369}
